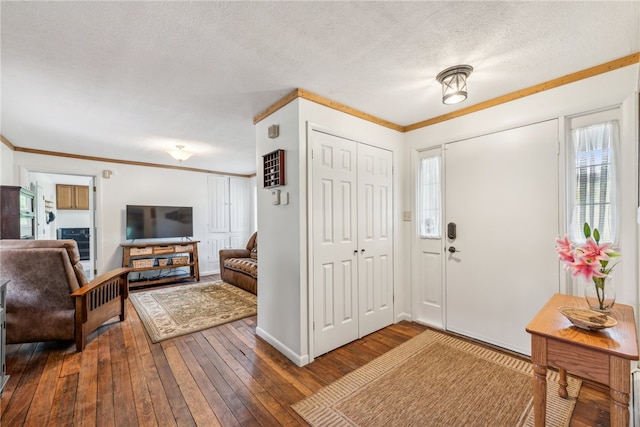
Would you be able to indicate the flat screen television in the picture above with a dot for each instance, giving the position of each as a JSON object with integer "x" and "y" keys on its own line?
{"x": 158, "y": 222}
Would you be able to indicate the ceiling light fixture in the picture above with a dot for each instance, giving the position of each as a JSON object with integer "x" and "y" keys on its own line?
{"x": 179, "y": 153}
{"x": 454, "y": 83}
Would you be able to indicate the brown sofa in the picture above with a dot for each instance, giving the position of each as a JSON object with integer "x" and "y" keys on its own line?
{"x": 48, "y": 296}
{"x": 240, "y": 266}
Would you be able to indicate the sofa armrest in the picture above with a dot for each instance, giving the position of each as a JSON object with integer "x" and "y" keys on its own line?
{"x": 234, "y": 253}
{"x": 98, "y": 301}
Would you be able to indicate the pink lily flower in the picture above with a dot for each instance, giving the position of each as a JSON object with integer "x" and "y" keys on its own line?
{"x": 594, "y": 252}
{"x": 565, "y": 252}
{"x": 586, "y": 267}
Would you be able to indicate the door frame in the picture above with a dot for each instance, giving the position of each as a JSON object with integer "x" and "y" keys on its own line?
{"x": 308, "y": 229}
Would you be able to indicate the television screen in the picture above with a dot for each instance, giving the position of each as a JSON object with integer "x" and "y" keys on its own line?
{"x": 157, "y": 222}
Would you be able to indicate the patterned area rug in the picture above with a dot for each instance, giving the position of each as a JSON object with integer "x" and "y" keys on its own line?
{"x": 179, "y": 310}
{"x": 437, "y": 380}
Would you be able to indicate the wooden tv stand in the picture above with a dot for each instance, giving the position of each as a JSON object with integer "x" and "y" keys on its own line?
{"x": 159, "y": 256}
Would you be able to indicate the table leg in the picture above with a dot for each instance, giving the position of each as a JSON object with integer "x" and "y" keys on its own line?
{"x": 562, "y": 383}
{"x": 619, "y": 390}
{"x": 539, "y": 361}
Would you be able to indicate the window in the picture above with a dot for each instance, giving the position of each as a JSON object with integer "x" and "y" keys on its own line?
{"x": 429, "y": 198}
{"x": 593, "y": 185}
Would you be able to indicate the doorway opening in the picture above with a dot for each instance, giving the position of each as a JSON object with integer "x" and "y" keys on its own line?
{"x": 65, "y": 209}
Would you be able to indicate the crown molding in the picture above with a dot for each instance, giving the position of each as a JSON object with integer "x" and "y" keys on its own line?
{"x": 123, "y": 162}
{"x": 6, "y": 142}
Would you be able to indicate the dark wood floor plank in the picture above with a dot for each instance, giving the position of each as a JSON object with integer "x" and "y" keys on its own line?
{"x": 17, "y": 358}
{"x": 174, "y": 395}
{"x": 200, "y": 410}
{"x": 248, "y": 391}
{"x": 299, "y": 378}
{"x": 40, "y": 409}
{"x": 64, "y": 400}
{"x": 253, "y": 376}
{"x": 261, "y": 361}
{"x": 105, "y": 407}
{"x": 142, "y": 398}
{"x": 161, "y": 407}
{"x": 20, "y": 402}
{"x": 283, "y": 387}
{"x": 125, "y": 410}
{"x": 86, "y": 409}
{"x": 72, "y": 361}
{"x": 205, "y": 354}
{"x": 206, "y": 386}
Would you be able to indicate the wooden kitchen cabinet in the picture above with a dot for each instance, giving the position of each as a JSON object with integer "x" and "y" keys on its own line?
{"x": 72, "y": 197}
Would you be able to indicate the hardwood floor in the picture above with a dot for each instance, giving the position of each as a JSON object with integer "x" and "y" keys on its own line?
{"x": 221, "y": 376}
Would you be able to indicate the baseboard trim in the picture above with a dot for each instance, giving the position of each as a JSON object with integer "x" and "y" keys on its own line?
{"x": 299, "y": 360}
{"x": 404, "y": 316}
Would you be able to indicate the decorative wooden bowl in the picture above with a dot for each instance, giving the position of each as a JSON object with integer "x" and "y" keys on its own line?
{"x": 587, "y": 319}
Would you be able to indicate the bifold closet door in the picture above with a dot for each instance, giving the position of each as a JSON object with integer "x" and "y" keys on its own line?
{"x": 335, "y": 249}
{"x": 375, "y": 238}
{"x": 352, "y": 223}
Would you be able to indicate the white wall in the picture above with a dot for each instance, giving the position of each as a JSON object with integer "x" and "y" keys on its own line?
{"x": 6, "y": 166}
{"x": 279, "y": 242}
{"x": 616, "y": 88}
{"x": 129, "y": 185}
{"x": 283, "y": 316}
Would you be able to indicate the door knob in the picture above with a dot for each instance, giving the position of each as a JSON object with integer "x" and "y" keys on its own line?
{"x": 453, "y": 249}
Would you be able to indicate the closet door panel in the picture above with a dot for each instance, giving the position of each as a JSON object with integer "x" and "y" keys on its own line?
{"x": 375, "y": 238}
{"x": 334, "y": 242}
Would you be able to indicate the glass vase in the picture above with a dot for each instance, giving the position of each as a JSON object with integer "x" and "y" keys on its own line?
{"x": 600, "y": 293}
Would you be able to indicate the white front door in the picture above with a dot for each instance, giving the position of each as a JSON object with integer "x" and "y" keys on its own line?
{"x": 502, "y": 196}
{"x": 427, "y": 230}
{"x": 375, "y": 238}
{"x": 352, "y": 232}
{"x": 335, "y": 246}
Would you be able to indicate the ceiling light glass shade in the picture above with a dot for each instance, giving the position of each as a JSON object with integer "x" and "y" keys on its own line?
{"x": 179, "y": 153}
{"x": 454, "y": 83}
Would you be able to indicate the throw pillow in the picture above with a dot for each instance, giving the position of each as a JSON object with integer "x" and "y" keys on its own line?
{"x": 254, "y": 251}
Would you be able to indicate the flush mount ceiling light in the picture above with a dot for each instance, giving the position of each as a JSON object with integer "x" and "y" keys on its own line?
{"x": 179, "y": 153}
{"x": 454, "y": 83}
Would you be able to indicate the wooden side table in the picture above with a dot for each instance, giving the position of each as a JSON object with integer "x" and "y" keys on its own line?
{"x": 604, "y": 356}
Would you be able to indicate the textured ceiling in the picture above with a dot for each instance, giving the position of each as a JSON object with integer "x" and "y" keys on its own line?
{"x": 129, "y": 80}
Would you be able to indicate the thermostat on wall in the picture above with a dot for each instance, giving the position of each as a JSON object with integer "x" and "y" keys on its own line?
{"x": 274, "y": 131}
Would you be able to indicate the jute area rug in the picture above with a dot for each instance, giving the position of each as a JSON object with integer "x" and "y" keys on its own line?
{"x": 437, "y": 380}
{"x": 171, "y": 312}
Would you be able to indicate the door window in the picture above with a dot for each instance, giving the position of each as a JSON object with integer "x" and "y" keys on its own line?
{"x": 429, "y": 212}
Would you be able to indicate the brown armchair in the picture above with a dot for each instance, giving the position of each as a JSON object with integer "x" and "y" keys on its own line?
{"x": 49, "y": 298}
{"x": 239, "y": 267}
